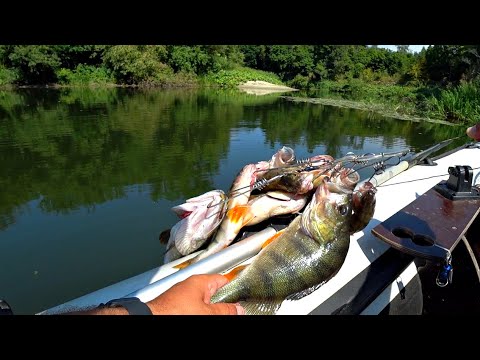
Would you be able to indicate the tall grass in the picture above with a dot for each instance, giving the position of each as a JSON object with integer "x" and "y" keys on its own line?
{"x": 400, "y": 99}
{"x": 459, "y": 104}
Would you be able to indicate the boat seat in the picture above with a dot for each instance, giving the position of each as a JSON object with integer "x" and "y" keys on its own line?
{"x": 432, "y": 225}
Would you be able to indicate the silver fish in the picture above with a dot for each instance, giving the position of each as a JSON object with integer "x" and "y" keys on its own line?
{"x": 201, "y": 216}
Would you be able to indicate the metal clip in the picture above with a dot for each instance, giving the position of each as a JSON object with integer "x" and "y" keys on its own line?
{"x": 445, "y": 275}
{"x": 262, "y": 183}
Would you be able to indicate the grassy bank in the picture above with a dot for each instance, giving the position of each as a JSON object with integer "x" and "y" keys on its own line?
{"x": 454, "y": 105}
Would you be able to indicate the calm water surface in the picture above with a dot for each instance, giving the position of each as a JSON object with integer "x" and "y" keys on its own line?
{"x": 88, "y": 177}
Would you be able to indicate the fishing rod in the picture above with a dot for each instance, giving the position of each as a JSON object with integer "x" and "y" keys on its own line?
{"x": 379, "y": 178}
{"x": 215, "y": 263}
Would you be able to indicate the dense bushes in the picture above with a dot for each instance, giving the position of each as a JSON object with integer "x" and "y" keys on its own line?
{"x": 234, "y": 77}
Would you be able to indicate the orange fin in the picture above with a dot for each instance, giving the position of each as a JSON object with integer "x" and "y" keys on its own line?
{"x": 232, "y": 274}
{"x": 274, "y": 237}
{"x": 247, "y": 217}
{"x": 237, "y": 213}
{"x": 183, "y": 264}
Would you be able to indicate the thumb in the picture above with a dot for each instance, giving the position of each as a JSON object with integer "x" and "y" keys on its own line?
{"x": 474, "y": 132}
{"x": 227, "y": 309}
{"x": 216, "y": 281}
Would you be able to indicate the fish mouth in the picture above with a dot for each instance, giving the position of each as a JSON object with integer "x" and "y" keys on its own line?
{"x": 318, "y": 160}
{"x": 323, "y": 190}
{"x": 287, "y": 154}
{"x": 369, "y": 187}
{"x": 339, "y": 188}
{"x": 349, "y": 178}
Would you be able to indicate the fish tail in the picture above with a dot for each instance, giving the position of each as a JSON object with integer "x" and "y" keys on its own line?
{"x": 265, "y": 307}
{"x": 164, "y": 236}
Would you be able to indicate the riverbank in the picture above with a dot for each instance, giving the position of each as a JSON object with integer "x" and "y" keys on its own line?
{"x": 377, "y": 108}
{"x": 401, "y": 102}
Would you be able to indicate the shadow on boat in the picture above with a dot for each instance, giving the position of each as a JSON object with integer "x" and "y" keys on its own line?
{"x": 420, "y": 296}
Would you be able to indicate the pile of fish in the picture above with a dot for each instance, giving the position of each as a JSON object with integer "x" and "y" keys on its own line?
{"x": 299, "y": 258}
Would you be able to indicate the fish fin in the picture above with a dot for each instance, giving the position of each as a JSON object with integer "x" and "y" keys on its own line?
{"x": 264, "y": 307}
{"x": 279, "y": 195}
{"x": 237, "y": 213}
{"x": 184, "y": 264}
{"x": 232, "y": 274}
{"x": 303, "y": 293}
{"x": 164, "y": 236}
{"x": 248, "y": 217}
{"x": 272, "y": 238}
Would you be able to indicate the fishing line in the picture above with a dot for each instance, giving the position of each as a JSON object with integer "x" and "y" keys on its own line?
{"x": 425, "y": 178}
{"x": 437, "y": 143}
{"x": 378, "y": 167}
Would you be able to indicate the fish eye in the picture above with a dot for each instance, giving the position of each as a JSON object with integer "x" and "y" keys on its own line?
{"x": 342, "y": 209}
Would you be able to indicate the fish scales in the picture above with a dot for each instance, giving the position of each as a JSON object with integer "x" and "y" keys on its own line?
{"x": 283, "y": 279}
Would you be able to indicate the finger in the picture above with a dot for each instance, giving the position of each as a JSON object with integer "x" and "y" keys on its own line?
{"x": 474, "y": 132}
{"x": 227, "y": 309}
{"x": 216, "y": 281}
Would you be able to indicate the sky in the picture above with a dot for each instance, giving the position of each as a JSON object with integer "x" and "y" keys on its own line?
{"x": 414, "y": 48}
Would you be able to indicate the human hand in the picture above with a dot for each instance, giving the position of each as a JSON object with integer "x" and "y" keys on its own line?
{"x": 192, "y": 297}
{"x": 474, "y": 132}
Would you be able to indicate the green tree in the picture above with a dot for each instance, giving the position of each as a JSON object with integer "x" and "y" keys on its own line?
{"x": 36, "y": 63}
{"x": 446, "y": 63}
{"x": 132, "y": 64}
{"x": 289, "y": 60}
{"x": 403, "y": 48}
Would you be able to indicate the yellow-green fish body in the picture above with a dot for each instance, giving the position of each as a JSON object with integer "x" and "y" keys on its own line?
{"x": 308, "y": 253}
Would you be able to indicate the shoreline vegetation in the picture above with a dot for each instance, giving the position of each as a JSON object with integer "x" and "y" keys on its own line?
{"x": 439, "y": 84}
{"x": 360, "y": 105}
